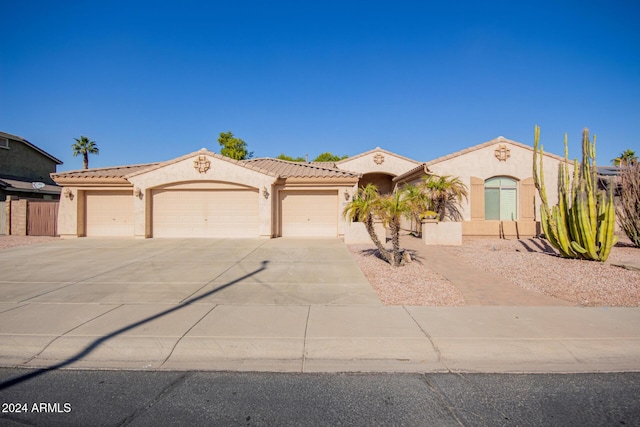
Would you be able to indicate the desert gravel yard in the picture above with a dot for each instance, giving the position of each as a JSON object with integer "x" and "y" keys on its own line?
{"x": 412, "y": 284}
{"x": 529, "y": 263}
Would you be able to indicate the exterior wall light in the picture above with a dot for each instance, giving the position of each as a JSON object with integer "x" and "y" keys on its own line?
{"x": 347, "y": 196}
{"x": 265, "y": 192}
{"x": 137, "y": 192}
{"x": 68, "y": 193}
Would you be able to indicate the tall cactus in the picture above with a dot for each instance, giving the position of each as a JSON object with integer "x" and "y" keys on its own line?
{"x": 581, "y": 224}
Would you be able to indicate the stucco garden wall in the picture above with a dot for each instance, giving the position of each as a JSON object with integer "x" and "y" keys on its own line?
{"x": 442, "y": 233}
{"x": 356, "y": 233}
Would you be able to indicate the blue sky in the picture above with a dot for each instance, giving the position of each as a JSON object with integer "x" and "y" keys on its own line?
{"x": 150, "y": 81}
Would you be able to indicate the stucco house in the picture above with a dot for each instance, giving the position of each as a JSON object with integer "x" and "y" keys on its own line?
{"x": 503, "y": 200}
{"x": 204, "y": 194}
{"x": 25, "y": 169}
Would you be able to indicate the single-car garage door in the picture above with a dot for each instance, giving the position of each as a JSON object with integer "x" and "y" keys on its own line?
{"x": 309, "y": 213}
{"x": 109, "y": 213}
{"x": 205, "y": 213}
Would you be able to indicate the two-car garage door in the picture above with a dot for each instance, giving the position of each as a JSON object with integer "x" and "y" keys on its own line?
{"x": 205, "y": 213}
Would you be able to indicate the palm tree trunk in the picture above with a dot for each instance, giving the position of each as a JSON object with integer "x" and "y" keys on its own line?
{"x": 418, "y": 221}
{"x": 395, "y": 241}
{"x": 442, "y": 211}
{"x": 384, "y": 253}
{"x": 85, "y": 159}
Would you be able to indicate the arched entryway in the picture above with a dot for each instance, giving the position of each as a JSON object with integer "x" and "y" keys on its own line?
{"x": 381, "y": 180}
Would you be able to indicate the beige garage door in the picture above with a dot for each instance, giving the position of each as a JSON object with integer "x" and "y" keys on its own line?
{"x": 205, "y": 213}
{"x": 109, "y": 213}
{"x": 309, "y": 213}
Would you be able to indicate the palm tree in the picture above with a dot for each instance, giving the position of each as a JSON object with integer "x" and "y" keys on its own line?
{"x": 627, "y": 157}
{"x": 392, "y": 208}
{"x": 363, "y": 208}
{"x": 85, "y": 147}
{"x": 418, "y": 203}
{"x": 445, "y": 193}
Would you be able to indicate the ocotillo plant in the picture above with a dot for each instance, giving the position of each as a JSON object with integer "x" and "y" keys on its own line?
{"x": 581, "y": 225}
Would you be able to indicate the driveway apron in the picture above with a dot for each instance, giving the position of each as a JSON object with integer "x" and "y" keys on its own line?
{"x": 240, "y": 271}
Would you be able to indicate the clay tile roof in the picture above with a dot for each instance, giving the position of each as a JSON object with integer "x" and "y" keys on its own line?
{"x": 329, "y": 165}
{"x": 110, "y": 172}
{"x": 286, "y": 169}
{"x": 274, "y": 167}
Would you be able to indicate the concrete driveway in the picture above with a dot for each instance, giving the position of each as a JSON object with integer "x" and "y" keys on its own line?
{"x": 231, "y": 272}
{"x": 270, "y": 305}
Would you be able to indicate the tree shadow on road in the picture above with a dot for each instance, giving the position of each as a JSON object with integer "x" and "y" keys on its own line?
{"x": 98, "y": 341}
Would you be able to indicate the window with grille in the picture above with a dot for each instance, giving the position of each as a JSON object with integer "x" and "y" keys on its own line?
{"x": 501, "y": 199}
{"x": 4, "y": 143}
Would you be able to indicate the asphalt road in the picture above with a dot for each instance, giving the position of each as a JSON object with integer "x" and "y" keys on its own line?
{"x": 88, "y": 398}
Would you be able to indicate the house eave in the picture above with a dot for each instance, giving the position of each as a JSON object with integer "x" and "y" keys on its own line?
{"x": 83, "y": 182}
{"x": 413, "y": 174}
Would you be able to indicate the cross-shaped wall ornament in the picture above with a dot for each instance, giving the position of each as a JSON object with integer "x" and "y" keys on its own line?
{"x": 202, "y": 164}
{"x": 502, "y": 153}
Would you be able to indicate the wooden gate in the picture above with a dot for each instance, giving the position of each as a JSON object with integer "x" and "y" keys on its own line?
{"x": 42, "y": 218}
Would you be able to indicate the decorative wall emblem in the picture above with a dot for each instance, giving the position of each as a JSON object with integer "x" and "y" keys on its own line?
{"x": 502, "y": 153}
{"x": 202, "y": 164}
{"x": 378, "y": 158}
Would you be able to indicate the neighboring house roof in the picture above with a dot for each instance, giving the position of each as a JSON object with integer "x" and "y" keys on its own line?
{"x": 27, "y": 143}
{"x": 375, "y": 150}
{"x": 286, "y": 169}
{"x": 27, "y": 187}
{"x": 498, "y": 140}
{"x": 608, "y": 170}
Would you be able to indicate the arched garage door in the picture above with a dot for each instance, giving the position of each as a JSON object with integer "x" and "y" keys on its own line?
{"x": 309, "y": 213}
{"x": 205, "y": 213}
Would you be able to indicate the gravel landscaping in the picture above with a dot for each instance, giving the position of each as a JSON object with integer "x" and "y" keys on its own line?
{"x": 11, "y": 241}
{"x": 529, "y": 263}
{"x": 412, "y": 284}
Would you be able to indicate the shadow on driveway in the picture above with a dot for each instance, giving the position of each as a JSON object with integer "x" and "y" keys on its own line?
{"x": 93, "y": 345}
